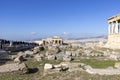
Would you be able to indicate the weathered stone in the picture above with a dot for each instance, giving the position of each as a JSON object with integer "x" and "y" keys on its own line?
{"x": 38, "y": 49}
{"x": 37, "y": 57}
{"x": 68, "y": 53}
{"x": 20, "y": 54}
{"x": 19, "y": 59}
{"x": 78, "y": 53}
{"x": 55, "y": 49}
{"x": 106, "y": 53}
{"x": 65, "y": 66}
{"x": 75, "y": 53}
{"x": 117, "y": 65}
{"x": 87, "y": 51}
{"x": 48, "y": 53}
{"x": 59, "y": 56}
{"x": 85, "y": 67}
{"x": 114, "y": 56}
{"x": 58, "y": 66}
{"x": 48, "y": 66}
{"x": 57, "y": 69}
{"x": 13, "y": 67}
{"x": 101, "y": 44}
{"x": 75, "y": 45}
{"x": 67, "y": 58}
{"x": 30, "y": 53}
{"x": 51, "y": 57}
{"x": 64, "y": 47}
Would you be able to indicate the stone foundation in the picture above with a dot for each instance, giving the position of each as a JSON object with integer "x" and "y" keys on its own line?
{"x": 113, "y": 41}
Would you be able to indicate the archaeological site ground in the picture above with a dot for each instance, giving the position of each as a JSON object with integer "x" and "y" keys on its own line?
{"x": 59, "y": 40}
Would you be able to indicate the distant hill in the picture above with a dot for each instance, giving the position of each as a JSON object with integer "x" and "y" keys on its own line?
{"x": 74, "y": 38}
{"x": 102, "y": 36}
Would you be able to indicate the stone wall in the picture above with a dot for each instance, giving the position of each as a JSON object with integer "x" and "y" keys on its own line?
{"x": 113, "y": 41}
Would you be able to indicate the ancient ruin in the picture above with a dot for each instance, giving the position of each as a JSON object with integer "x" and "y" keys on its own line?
{"x": 56, "y": 40}
{"x": 113, "y": 32}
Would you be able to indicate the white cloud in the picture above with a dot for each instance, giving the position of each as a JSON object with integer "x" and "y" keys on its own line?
{"x": 65, "y": 33}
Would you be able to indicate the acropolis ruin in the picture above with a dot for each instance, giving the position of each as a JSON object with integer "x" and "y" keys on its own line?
{"x": 113, "y": 32}
{"x": 56, "y": 40}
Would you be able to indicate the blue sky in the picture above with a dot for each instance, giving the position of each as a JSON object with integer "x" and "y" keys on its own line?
{"x": 31, "y": 19}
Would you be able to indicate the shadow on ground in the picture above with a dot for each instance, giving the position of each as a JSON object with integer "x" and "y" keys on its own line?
{"x": 33, "y": 70}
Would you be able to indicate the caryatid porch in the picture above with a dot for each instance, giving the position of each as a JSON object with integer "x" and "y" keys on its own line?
{"x": 113, "y": 32}
{"x": 113, "y": 24}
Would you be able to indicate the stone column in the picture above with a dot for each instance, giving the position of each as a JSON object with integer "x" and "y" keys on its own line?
{"x": 58, "y": 42}
{"x": 117, "y": 27}
{"x": 109, "y": 28}
{"x": 112, "y": 29}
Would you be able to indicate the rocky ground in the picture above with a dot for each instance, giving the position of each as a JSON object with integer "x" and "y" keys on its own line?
{"x": 37, "y": 73}
{"x": 66, "y": 62}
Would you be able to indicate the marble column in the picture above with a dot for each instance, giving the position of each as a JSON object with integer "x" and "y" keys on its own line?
{"x": 58, "y": 42}
{"x": 61, "y": 42}
{"x": 112, "y": 29}
{"x": 117, "y": 27}
{"x": 109, "y": 28}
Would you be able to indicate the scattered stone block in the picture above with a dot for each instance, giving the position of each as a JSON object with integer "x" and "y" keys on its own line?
{"x": 117, "y": 65}
{"x": 13, "y": 67}
{"x": 68, "y": 53}
{"x": 59, "y": 56}
{"x": 51, "y": 57}
{"x": 67, "y": 58}
{"x": 48, "y": 66}
{"x": 58, "y": 66}
{"x": 30, "y": 53}
{"x": 19, "y": 59}
{"x": 37, "y": 49}
{"x": 37, "y": 57}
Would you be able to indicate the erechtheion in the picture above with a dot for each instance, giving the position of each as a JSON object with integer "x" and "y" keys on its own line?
{"x": 113, "y": 32}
